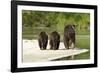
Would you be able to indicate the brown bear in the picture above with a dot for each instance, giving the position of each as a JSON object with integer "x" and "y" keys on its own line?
{"x": 43, "y": 40}
{"x": 54, "y": 40}
{"x": 69, "y": 36}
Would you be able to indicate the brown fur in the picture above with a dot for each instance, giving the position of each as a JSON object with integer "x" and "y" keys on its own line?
{"x": 43, "y": 40}
{"x": 69, "y": 36}
{"x": 54, "y": 40}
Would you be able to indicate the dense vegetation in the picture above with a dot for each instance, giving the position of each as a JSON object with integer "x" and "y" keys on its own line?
{"x": 55, "y": 20}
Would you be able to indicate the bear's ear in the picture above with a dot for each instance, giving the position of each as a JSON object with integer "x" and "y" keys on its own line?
{"x": 73, "y": 26}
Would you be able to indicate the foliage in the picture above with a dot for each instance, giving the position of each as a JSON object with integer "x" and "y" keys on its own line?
{"x": 55, "y": 20}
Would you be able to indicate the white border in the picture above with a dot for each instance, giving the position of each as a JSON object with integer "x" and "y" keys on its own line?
{"x": 54, "y": 63}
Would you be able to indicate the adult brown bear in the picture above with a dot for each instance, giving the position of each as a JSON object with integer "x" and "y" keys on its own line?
{"x": 69, "y": 36}
{"x": 43, "y": 40}
{"x": 54, "y": 40}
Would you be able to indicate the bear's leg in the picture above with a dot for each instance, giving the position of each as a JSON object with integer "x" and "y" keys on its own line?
{"x": 66, "y": 43}
{"x": 40, "y": 45}
{"x": 55, "y": 45}
{"x": 73, "y": 42}
{"x": 51, "y": 44}
{"x": 45, "y": 45}
{"x": 58, "y": 44}
{"x": 73, "y": 46}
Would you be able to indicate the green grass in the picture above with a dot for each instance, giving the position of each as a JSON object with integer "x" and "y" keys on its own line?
{"x": 83, "y": 41}
{"x": 85, "y": 44}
